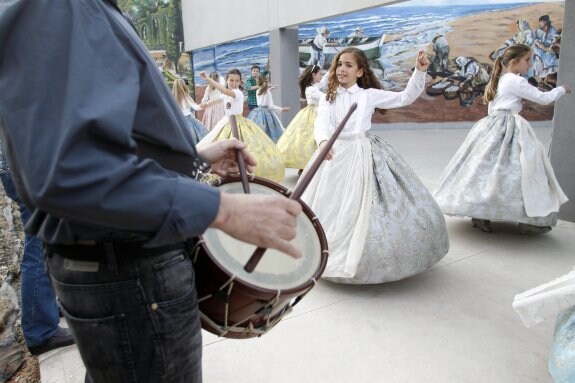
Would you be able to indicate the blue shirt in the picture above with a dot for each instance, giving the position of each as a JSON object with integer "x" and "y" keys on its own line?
{"x": 76, "y": 87}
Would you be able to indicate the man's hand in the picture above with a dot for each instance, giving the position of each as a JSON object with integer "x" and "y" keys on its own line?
{"x": 222, "y": 156}
{"x": 262, "y": 220}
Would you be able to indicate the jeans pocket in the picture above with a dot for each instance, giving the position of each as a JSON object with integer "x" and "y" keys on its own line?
{"x": 175, "y": 276}
{"x": 104, "y": 344}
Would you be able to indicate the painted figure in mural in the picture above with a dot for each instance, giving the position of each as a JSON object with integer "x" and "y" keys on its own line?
{"x": 189, "y": 107}
{"x": 502, "y": 171}
{"x": 440, "y": 60}
{"x": 523, "y": 36}
{"x": 355, "y": 36}
{"x": 252, "y": 87}
{"x": 369, "y": 201}
{"x": 212, "y": 104}
{"x": 117, "y": 226}
{"x": 317, "y": 45}
{"x": 471, "y": 73}
{"x": 264, "y": 115}
{"x": 297, "y": 144}
{"x": 545, "y": 58}
{"x": 262, "y": 148}
{"x": 40, "y": 318}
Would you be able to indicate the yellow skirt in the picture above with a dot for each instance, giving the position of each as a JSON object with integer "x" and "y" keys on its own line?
{"x": 261, "y": 147}
{"x": 297, "y": 143}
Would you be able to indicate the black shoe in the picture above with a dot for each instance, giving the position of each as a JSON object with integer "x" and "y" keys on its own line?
{"x": 482, "y": 224}
{"x": 62, "y": 338}
{"x": 525, "y": 228}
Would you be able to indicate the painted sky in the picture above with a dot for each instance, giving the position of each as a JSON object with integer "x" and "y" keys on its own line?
{"x": 449, "y": 2}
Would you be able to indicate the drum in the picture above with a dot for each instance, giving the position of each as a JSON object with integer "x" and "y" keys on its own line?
{"x": 236, "y": 304}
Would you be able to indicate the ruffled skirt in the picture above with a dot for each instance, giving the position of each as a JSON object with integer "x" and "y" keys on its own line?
{"x": 501, "y": 172}
{"x": 268, "y": 121}
{"x": 297, "y": 144}
{"x": 212, "y": 115}
{"x": 263, "y": 149}
{"x": 197, "y": 128}
{"x": 381, "y": 223}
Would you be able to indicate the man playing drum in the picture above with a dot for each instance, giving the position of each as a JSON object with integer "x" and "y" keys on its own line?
{"x": 117, "y": 226}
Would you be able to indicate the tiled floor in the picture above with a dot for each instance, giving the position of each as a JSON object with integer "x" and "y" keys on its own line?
{"x": 452, "y": 324}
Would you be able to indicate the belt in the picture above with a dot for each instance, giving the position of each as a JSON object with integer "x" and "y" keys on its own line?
{"x": 101, "y": 250}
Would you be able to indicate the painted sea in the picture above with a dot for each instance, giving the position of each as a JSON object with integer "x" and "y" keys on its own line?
{"x": 414, "y": 27}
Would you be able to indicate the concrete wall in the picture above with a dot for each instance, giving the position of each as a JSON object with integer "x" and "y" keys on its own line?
{"x": 563, "y": 143}
{"x": 284, "y": 67}
{"x": 213, "y": 22}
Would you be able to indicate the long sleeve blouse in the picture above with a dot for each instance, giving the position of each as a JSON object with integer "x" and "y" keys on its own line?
{"x": 329, "y": 115}
{"x": 266, "y": 100}
{"x": 512, "y": 88}
{"x": 70, "y": 141}
{"x": 211, "y": 94}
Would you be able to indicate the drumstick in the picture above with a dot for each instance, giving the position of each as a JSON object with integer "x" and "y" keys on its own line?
{"x": 240, "y": 156}
{"x": 302, "y": 185}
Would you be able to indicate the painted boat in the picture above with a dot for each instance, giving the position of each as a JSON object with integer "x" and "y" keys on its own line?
{"x": 370, "y": 45}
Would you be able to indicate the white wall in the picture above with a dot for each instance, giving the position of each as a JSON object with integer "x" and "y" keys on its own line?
{"x": 210, "y": 22}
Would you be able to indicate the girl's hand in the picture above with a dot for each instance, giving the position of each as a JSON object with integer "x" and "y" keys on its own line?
{"x": 285, "y": 108}
{"x": 204, "y": 75}
{"x": 330, "y": 154}
{"x": 422, "y": 61}
{"x": 567, "y": 89}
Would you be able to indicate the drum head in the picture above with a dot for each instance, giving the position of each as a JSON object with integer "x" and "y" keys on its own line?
{"x": 276, "y": 270}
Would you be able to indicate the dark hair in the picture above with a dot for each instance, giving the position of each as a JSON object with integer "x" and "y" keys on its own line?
{"x": 255, "y": 66}
{"x": 546, "y": 19}
{"x": 306, "y": 78}
{"x": 514, "y": 52}
{"x": 234, "y": 71}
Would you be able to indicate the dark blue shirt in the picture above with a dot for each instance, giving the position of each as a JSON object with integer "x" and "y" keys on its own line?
{"x": 76, "y": 83}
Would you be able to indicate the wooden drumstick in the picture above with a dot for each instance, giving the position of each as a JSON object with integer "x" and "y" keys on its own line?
{"x": 240, "y": 156}
{"x": 256, "y": 257}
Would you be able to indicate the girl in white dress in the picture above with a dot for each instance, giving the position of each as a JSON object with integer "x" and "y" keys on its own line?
{"x": 269, "y": 162}
{"x": 264, "y": 115}
{"x": 189, "y": 107}
{"x": 381, "y": 223}
{"x": 212, "y": 104}
{"x": 501, "y": 171}
{"x": 297, "y": 144}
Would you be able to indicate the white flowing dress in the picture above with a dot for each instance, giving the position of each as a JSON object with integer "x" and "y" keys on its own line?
{"x": 381, "y": 223}
{"x": 502, "y": 171}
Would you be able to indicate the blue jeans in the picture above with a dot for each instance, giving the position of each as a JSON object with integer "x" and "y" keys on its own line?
{"x": 39, "y": 308}
{"x": 134, "y": 318}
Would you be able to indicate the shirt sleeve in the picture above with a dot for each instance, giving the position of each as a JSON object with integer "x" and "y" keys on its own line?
{"x": 322, "y": 126}
{"x": 270, "y": 102}
{"x": 521, "y": 88}
{"x": 389, "y": 100}
{"x": 206, "y": 96}
{"x": 71, "y": 139}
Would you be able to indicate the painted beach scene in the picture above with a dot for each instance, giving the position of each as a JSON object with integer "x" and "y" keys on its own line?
{"x": 459, "y": 36}
{"x": 455, "y": 35}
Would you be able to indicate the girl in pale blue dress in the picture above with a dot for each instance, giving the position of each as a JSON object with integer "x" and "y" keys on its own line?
{"x": 264, "y": 115}
{"x": 502, "y": 172}
{"x": 187, "y": 104}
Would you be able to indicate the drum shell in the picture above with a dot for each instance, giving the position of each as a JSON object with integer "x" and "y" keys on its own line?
{"x": 246, "y": 300}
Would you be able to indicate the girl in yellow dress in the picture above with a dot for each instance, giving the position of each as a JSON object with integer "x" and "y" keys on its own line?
{"x": 269, "y": 161}
{"x": 297, "y": 143}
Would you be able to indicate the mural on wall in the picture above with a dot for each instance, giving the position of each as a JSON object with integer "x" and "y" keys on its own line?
{"x": 160, "y": 26}
{"x": 462, "y": 40}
